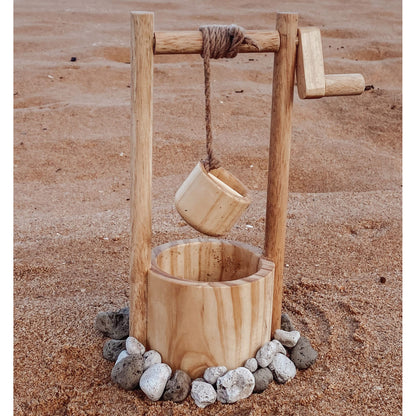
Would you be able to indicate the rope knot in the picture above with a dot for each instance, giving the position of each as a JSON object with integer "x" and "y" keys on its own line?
{"x": 223, "y": 41}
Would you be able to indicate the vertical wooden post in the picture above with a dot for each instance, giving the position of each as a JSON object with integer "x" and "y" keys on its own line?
{"x": 141, "y": 169}
{"x": 279, "y": 153}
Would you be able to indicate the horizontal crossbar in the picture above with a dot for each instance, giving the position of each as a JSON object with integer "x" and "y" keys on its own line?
{"x": 188, "y": 42}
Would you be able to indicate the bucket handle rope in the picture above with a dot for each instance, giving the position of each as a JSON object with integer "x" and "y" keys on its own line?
{"x": 219, "y": 41}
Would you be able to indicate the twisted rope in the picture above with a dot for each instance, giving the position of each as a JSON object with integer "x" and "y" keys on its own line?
{"x": 219, "y": 41}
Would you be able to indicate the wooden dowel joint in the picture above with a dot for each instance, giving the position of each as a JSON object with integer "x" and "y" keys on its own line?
{"x": 141, "y": 169}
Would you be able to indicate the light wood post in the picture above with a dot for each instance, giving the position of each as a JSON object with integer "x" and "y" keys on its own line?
{"x": 279, "y": 153}
{"x": 141, "y": 169}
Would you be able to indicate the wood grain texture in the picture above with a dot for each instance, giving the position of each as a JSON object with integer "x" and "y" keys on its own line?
{"x": 208, "y": 204}
{"x": 141, "y": 169}
{"x": 310, "y": 73}
{"x": 186, "y": 42}
{"x": 344, "y": 84}
{"x": 210, "y": 303}
{"x": 279, "y": 153}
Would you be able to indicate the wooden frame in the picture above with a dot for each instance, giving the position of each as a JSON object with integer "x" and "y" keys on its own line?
{"x": 283, "y": 43}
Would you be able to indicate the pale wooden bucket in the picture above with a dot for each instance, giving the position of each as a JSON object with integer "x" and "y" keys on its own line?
{"x": 209, "y": 303}
{"x": 211, "y": 202}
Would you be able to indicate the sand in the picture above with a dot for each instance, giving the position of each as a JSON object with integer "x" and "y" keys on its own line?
{"x": 71, "y": 196}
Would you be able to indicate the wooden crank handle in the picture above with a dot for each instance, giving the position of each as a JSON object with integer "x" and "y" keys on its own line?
{"x": 344, "y": 84}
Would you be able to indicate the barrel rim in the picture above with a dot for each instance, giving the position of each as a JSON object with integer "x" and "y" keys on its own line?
{"x": 263, "y": 269}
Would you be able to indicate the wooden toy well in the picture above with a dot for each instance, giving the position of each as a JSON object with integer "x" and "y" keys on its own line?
{"x": 207, "y": 302}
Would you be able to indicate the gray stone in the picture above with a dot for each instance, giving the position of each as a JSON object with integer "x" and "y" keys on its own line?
{"x": 151, "y": 357}
{"x": 113, "y": 324}
{"x": 123, "y": 355}
{"x": 127, "y": 372}
{"x": 133, "y": 346}
{"x": 263, "y": 377}
{"x": 178, "y": 387}
{"x": 154, "y": 379}
{"x": 112, "y": 348}
{"x": 235, "y": 385}
{"x": 266, "y": 353}
{"x": 286, "y": 323}
{"x": 282, "y": 368}
{"x": 251, "y": 364}
{"x": 287, "y": 339}
{"x": 203, "y": 393}
{"x": 211, "y": 374}
{"x": 303, "y": 355}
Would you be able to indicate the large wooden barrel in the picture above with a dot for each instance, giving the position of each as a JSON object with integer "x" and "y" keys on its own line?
{"x": 209, "y": 303}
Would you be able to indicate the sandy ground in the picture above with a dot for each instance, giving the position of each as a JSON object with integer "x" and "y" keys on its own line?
{"x": 71, "y": 173}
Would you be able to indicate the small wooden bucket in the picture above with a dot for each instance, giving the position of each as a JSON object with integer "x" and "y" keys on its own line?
{"x": 209, "y": 303}
{"x": 211, "y": 202}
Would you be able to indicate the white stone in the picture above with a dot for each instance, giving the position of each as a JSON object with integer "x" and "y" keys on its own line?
{"x": 200, "y": 379}
{"x": 251, "y": 364}
{"x": 266, "y": 353}
{"x": 280, "y": 348}
{"x": 154, "y": 379}
{"x": 151, "y": 357}
{"x": 235, "y": 385}
{"x": 288, "y": 339}
{"x": 282, "y": 368}
{"x": 203, "y": 393}
{"x": 123, "y": 354}
{"x": 211, "y": 374}
{"x": 134, "y": 347}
